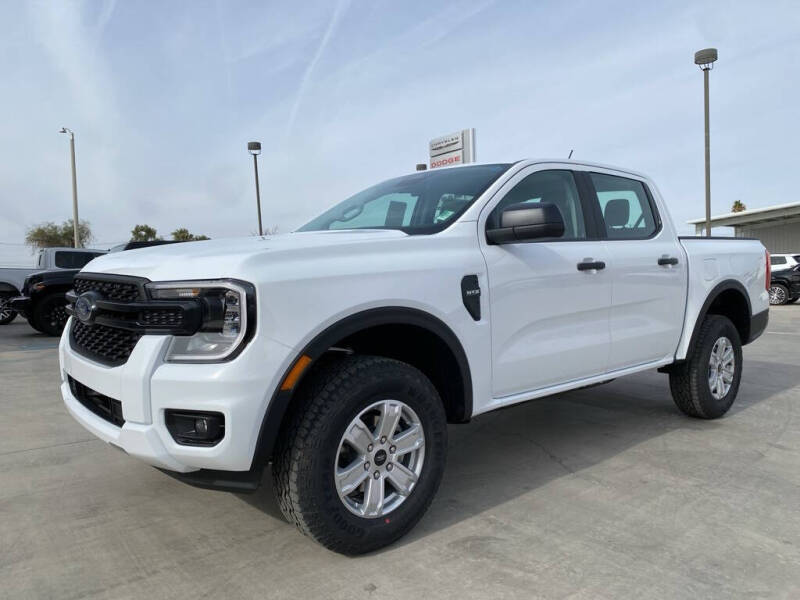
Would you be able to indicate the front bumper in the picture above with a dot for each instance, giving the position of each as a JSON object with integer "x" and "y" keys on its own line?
{"x": 20, "y": 304}
{"x": 147, "y": 386}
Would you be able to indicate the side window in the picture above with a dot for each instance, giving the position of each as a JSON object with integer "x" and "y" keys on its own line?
{"x": 555, "y": 187}
{"x": 625, "y": 207}
{"x": 777, "y": 260}
{"x": 390, "y": 210}
{"x": 73, "y": 260}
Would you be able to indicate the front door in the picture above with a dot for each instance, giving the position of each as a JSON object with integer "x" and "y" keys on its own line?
{"x": 549, "y": 319}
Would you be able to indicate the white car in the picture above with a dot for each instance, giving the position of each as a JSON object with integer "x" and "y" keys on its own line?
{"x": 339, "y": 353}
{"x": 780, "y": 262}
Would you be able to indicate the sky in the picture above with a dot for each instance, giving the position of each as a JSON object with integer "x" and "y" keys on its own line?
{"x": 164, "y": 96}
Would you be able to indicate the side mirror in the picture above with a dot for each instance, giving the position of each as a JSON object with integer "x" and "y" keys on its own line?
{"x": 526, "y": 222}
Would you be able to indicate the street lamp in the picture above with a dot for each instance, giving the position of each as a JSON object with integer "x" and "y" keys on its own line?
{"x": 705, "y": 59}
{"x": 76, "y": 240}
{"x": 254, "y": 148}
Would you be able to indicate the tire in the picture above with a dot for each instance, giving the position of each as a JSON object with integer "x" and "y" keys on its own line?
{"x": 311, "y": 451}
{"x": 33, "y": 324}
{"x": 690, "y": 384}
{"x": 6, "y": 314}
{"x": 49, "y": 315}
{"x": 778, "y": 294}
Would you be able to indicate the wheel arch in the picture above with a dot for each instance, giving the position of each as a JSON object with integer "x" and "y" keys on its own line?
{"x": 728, "y": 299}
{"x": 407, "y": 334}
{"x": 8, "y": 288}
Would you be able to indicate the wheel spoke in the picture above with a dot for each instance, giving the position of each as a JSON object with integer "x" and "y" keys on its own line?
{"x": 402, "y": 479}
{"x": 358, "y": 436}
{"x": 409, "y": 440}
{"x": 351, "y": 477}
{"x": 373, "y": 497}
{"x": 390, "y": 417}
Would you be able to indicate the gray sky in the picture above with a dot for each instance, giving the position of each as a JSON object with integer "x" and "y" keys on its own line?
{"x": 163, "y": 97}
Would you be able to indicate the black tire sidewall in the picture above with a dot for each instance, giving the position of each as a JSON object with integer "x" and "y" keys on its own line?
{"x": 716, "y": 328}
{"x": 365, "y": 534}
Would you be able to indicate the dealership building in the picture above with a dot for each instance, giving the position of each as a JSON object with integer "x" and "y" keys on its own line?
{"x": 778, "y": 227}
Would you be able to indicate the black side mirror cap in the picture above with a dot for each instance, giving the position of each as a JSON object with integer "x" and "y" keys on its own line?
{"x": 525, "y": 222}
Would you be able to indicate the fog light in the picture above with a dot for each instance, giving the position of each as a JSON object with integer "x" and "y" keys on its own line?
{"x": 195, "y": 428}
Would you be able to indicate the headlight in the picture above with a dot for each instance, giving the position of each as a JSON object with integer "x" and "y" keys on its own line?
{"x": 227, "y": 312}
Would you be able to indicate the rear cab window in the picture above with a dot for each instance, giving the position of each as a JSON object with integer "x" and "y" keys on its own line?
{"x": 625, "y": 207}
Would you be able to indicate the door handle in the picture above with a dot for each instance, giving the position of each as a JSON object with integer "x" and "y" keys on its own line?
{"x": 664, "y": 261}
{"x": 590, "y": 265}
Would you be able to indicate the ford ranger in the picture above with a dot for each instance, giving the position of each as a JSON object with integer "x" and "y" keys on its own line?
{"x": 336, "y": 355}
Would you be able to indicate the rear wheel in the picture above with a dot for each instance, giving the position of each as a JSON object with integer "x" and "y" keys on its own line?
{"x": 6, "y": 314}
{"x": 362, "y": 455}
{"x": 50, "y": 314}
{"x": 778, "y": 294}
{"x": 706, "y": 385}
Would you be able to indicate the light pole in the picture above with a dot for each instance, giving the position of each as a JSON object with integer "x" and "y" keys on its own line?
{"x": 76, "y": 240}
{"x": 705, "y": 59}
{"x": 254, "y": 148}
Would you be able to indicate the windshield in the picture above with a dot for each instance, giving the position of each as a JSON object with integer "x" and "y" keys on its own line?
{"x": 424, "y": 202}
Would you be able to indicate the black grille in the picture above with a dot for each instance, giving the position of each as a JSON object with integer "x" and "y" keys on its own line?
{"x": 120, "y": 291}
{"x": 162, "y": 317}
{"x": 103, "y": 406}
{"x": 105, "y": 344}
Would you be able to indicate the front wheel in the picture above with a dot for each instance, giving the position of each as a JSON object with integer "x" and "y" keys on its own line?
{"x": 778, "y": 294}
{"x": 50, "y": 314}
{"x": 362, "y": 455}
{"x": 706, "y": 385}
{"x": 6, "y": 314}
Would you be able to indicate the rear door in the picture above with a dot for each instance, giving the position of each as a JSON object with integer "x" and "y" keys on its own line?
{"x": 647, "y": 267}
{"x": 549, "y": 318}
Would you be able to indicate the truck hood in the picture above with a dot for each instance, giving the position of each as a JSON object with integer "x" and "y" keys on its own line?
{"x": 232, "y": 257}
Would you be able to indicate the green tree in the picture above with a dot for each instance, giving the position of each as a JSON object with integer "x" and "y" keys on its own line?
{"x": 144, "y": 233}
{"x": 738, "y": 206}
{"x": 182, "y": 235}
{"x": 49, "y": 234}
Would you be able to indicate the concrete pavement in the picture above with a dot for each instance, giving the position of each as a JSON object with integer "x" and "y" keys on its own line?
{"x": 606, "y": 492}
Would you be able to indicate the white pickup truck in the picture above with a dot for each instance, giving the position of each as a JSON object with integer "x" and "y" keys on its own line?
{"x": 339, "y": 353}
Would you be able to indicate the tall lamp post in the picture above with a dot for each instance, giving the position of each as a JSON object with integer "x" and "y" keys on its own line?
{"x": 254, "y": 148}
{"x": 705, "y": 59}
{"x": 76, "y": 240}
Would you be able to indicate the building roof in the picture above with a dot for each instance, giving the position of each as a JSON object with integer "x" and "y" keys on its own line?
{"x": 752, "y": 216}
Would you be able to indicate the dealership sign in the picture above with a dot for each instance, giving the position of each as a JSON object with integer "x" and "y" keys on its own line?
{"x": 452, "y": 149}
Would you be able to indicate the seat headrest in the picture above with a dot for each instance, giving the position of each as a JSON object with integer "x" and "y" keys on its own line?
{"x": 617, "y": 212}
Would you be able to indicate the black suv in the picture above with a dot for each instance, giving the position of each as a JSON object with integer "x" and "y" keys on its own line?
{"x": 784, "y": 286}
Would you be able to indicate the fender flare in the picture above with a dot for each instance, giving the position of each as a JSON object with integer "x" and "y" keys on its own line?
{"x": 728, "y": 284}
{"x": 394, "y": 315}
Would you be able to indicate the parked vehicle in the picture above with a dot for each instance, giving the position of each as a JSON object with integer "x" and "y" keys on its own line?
{"x": 340, "y": 352}
{"x": 785, "y": 286}
{"x": 12, "y": 279}
{"x": 779, "y": 262}
{"x": 42, "y": 299}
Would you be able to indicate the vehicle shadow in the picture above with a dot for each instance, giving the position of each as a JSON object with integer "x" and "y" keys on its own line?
{"x": 507, "y": 453}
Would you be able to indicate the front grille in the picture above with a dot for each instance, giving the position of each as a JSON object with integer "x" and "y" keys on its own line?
{"x": 105, "y": 344}
{"x": 103, "y": 406}
{"x": 162, "y": 317}
{"x": 120, "y": 291}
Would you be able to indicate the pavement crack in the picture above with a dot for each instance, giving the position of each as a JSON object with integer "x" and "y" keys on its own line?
{"x": 50, "y": 446}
